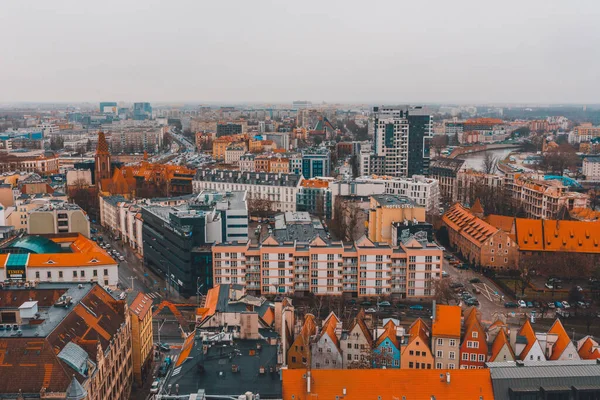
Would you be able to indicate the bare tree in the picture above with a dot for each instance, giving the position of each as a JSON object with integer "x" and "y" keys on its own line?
{"x": 259, "y": 207}
{"x": 438, "y": 143}
{"x": 443, "y": 293}
{"x": 490, "y": 163}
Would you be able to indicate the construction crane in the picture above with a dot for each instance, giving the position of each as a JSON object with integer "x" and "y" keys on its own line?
{"x": 173, "y": 308}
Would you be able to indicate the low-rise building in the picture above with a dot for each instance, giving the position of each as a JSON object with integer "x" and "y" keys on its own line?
{"x": 142, "y": 345}
{"x": 445, "y": 336}
{"x": 66, "y": 341}
{"x": 386, "y": 209}
{"x": 44, "y": 163}
{"x": 60, "y": 217}
{"x": 474, "y": 348}
{"x": 325, "y": 349}
{"x": 57, "y": 258}
{"x": 417, "y": 353}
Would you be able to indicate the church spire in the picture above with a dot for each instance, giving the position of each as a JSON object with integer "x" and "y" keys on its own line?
{"x": 102, "y": 160}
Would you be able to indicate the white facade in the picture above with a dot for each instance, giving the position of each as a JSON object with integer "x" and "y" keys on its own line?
{"x": 233, "y": 155}
{"x": 425, "y": 192}
{"x": 106, "y": 274}
{"x": 591, "y": 168}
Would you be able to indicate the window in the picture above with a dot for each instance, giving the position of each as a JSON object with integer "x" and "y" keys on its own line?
{"x": 349, "y": 345}
{"x": 465, "y": 356}
{"x": 481, "y": 358}
{"x": 37, "y": 275}
{"x": 411, "y": 352}
{"x": 473, "y": 357}
{"x": 49, "y": 274}
{"x": 95, "y": 272}
{"x": 410, "y": 365}
{"x": 451, "y": 355}
{"x": 474, "y": 334}
{"x": 82, "y": 273}
{"x": 60, "y": 274}
{"x": 293, "y": 359}
{"x": 396, "y": 363}
{"x": 105, "y": 272}
{"x": 349, "y": 357}
{"x": 450, "y": 366}
{"x": 356, "y": 357}
{"x": 74, "y": 274}
{"x": 440, "y": 342}
{"x": 452, "y": 342}
{"x": 438, "y": 365}
{"x": 439, "y": 354}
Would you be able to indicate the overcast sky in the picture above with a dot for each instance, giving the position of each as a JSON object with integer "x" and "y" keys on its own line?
{"x": 414, "y": 51}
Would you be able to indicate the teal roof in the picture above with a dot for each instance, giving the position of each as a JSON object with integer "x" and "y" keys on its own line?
{"x": 16, "y": 260}
{"x": 37, "y": 244}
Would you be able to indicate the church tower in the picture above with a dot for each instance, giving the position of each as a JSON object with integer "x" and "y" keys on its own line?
{"x": 102, "y": 160}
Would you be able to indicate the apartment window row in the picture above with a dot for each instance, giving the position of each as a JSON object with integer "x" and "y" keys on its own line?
{"x": 75, "y": 274}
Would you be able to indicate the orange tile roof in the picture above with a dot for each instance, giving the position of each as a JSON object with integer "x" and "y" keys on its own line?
{"x": 85, "y": 252}
{"x": 585, "y": 214}
{"x": 419, "y": 329}
{"x": 589, "y": 350}
{"x": 309, "y": 328}
{"x": 471, "y": 315}
{"x": 499, "y": 342}
{"x": 552, "y": 235}
{"x": 561, "y": 343}
{"x": 329, "y": 329}
{"x": 188, "y": 344}
{"x": 477, "y": 208}
{"x": 141, "y": 305}
{"x": 360, "y": 321}
{"x": 447, "y": 321}
{"x": 388, "y": 333}
{"x": 472, "y": 228}
{"x": 501, "y": 222}
{"x": 316, "y": 183}
{"x": 388, "y": 384}
{"x": 527, "y": 332}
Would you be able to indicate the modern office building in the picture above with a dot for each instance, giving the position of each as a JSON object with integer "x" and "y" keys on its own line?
{"x": 142, "y": 111}
{"x": 315, "y": 197}
{"x": 109, "y": 107}
{"x": 316, "y": 162}
{"x": 402, "y": 141}
{"x": 67, "y": 341}
{"x": 177, "y": 239}
{"x": 229, "y": 128}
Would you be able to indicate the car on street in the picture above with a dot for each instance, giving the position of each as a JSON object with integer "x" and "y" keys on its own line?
{"x": 580, "y": 304}
{"x": 475, "y": 280}
{"x": 370, "y": 310}
{"x": 365, "y": 303}
{"x": 121, "y": 258}
{"x": 522, "y": 303}
{"x": 551, "y": 305}
{"x": 154, "y": 387}
{"x": 448, "y": 256}
{"x": 566, "y": 304}
{"x": 558, "y": 304}
{"x": 549, "y": 285}
{"x": 472, "y": 302}
{"x": 416, "y": 307}
{"x": 510, "y": 304}
{"x": 579, "y": 288}
{"x": 529, "y": 304}
{"x": 445, "y": 274}
{"x": 107, "y": 246}
{"x": 384, "y": 304}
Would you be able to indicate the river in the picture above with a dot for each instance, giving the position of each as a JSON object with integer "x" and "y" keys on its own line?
{"x": 475, "y": 160}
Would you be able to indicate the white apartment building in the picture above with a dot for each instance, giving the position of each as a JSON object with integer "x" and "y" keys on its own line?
{"x": 234, "y": 152}
{"x": 323, "y": 267}
{"x": 591, "y": 168}
{"x": 423, "y": 191}
{"x": 278, "y": 189}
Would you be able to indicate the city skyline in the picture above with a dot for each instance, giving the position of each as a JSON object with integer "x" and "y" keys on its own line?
{"x": 409, "y": 53}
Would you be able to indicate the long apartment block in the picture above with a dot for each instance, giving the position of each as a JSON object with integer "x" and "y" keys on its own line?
{"x": 325, "y": 267}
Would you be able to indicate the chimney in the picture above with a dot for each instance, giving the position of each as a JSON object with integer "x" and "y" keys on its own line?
{"x": 447, "y": 377}
{"x": 308, "y": 381}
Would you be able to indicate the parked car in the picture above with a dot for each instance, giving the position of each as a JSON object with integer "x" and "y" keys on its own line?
{"x": 164, "y": 347}
{"x": 445, "y": 274}
{"x": 551, "y": 305}
{"x": 510, "y": 304}
{"x": 472, "y": 302}
{"x": 580, "y": 304}
{"x": 448, "y": 256}
{"x": 558, "y": 304}
{"x": 579, "y": 288}
{"x": 384, "y": 304}
{"x": 107, "y": 246}
{"x": 416, "y": 307}
{"x": 529, "y": 304}
{"x": 365, "y": 303}
{"x": 121, "y": 258}
{"x": 522, "y": 303}
{"x": 537, "y": 304}
{"x": 475, "y": 280}
{"x": 370, "y": 310}
{"x": 154, "y": 387}
{"x": 566, "y": 304}
{"x": 549, "y": 286}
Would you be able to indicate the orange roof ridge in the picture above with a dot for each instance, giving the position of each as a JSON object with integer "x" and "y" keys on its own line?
{"x": 589, "y": 350}
{"x": 499, "y": 342}
{"x": 447, "y": 321}
{"x": 562, "y": 341}
{"x": 389, "y": 333}
{"x": 419, "y": 329}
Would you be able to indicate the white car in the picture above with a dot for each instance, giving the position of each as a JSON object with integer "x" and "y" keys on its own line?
{"x": 121, "y": 258}
{"x": 154, "y": 387}
{"x": 522, "y": 303}
{"x": 566, "y": 304}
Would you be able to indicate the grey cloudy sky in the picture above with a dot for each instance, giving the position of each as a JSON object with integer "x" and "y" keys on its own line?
{"x": 346, "y": 51}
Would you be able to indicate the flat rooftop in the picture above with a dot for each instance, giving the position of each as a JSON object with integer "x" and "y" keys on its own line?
{"x": 255, "y": 360}
{"x": 46, "y": 295}
{"x": 393, "y": 200}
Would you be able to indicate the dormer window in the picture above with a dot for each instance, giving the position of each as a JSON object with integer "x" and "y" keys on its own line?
{"x": 50, "y": 262}
{"x": 93, "y": 260}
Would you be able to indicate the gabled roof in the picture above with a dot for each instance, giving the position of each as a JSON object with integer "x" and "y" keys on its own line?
{"x": 469, "y": 226}
{"x": 477, "y": 208}
{"x": 527, "y": 332}
{"x": 471, "y": 315}
{"x": 499, "y": 343}
{"x": 589, "y": 349}
{"x": 562, "y": 341}
{"x": 329, "y": 328}
{"x": 501, "y": 222}
{"x": 388, "y": 333}
{"x": 447, "y": 321}
{"x": 419, "y": 329}
{"x": 359, "y": 322}
{"x": 309, "y": 328}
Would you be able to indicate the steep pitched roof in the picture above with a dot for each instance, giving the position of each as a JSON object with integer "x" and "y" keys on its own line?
{"x": 359, "y": 322}
{"x": 447, "y": 321}
{"x": 499, "y": 343}
{"x": 469, "y": 226}
{"x": 419, "y": 329}
{"x": 360, "y": 384}
{"x": 501, "y": 222}
{"x": 388, "y": 333}
{"x": 329, "y": 329}
{"x": 309, "y": 328}
{"x": 477, "y": 208}
{"x": 562, "y": 342}
{"x": 551, "y": 235}
{"x": 471, "y": 315}
{"x": 589, "y": 349}
{"x": 527, "y": 332}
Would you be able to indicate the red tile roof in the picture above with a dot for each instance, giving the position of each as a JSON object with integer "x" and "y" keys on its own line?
{"x": 388, "y": 333}
{"x": 499, "y": 343}
{"x": 474, "y": 229}
{"x": 141, "y": 305}
{"x": 387, "y": 384}
{"x": 527, "y": 332}
{"x": 589, "y": 350}
{"x": 447, "y": 321}
{"x": 561, "y": 343}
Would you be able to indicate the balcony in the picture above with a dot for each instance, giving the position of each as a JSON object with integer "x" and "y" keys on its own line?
{"x": 301, "y": 262}
{"x": 252, "y": 268}
{"x": 301, "y": 269}
{"x": 253, "y": 285}
{"x": 350, "y": 280}
{"x": 301, "y": 279}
